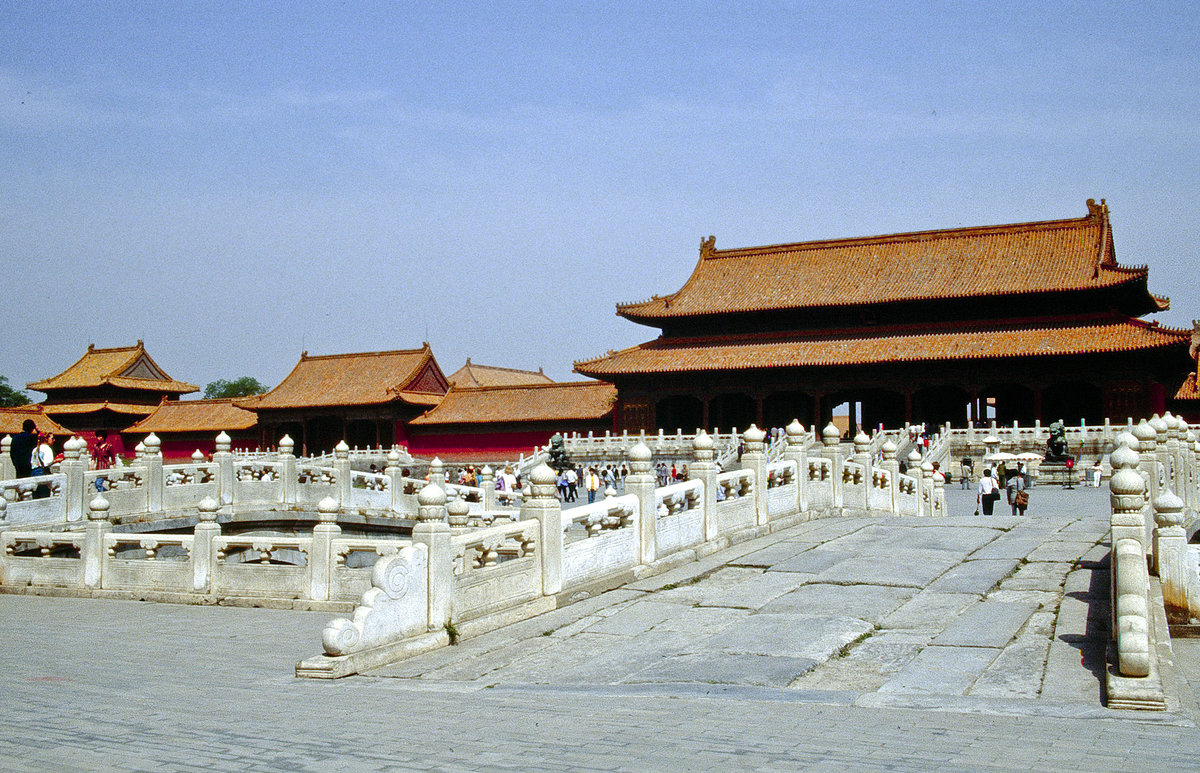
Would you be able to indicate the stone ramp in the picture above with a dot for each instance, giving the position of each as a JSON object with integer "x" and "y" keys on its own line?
{"x": 987, "y": 611}
{"x": 991, "y": 612}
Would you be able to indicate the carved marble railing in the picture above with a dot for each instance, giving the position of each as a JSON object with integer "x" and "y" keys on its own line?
{"x": 1156, "y": 584}
{"x": 147, "y": 488}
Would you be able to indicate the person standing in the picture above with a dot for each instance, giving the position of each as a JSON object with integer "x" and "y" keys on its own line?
{"x": 572, "y": 484}
{"x": 968, "y": 467}
{"x": 102, "y": 456}
{"x": 1018, "y": 496}
{"x": 592, "y": 483}
{"x": 988, "y": 493}
{"x": 24, "y": 443}
{"x": 43, "y": 458}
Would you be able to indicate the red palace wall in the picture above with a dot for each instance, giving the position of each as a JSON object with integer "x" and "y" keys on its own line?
{"x": 501, "y": 444}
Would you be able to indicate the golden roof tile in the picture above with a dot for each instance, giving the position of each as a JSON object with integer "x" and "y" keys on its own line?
{"x": 11, "y": 420}
{"x": 196, "y": 416}
{"x": 365, "y": 378}
{"x": 782, "y": 350}
{"x": 474, "y": 375}
{"x": 129, "y": 367}
{"x": 1053, "y": 255}
{"x": 569, "y": 401}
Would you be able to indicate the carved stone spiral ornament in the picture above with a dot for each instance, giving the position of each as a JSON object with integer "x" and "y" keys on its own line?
{"x": 340, "y": 636}
{"x": 392, "y": 577}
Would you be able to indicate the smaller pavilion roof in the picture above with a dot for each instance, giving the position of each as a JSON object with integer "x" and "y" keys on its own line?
{"x": 11, "y": 420}
{"x": 569, "y": 401}
{"x": 474, "y": 375}
{"x": 129, "y": 367}
{"x": 366, "y": 378}
{"x": 196, "y": 416}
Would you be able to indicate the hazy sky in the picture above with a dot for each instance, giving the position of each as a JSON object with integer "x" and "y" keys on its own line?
{"x": 237, "y": 182}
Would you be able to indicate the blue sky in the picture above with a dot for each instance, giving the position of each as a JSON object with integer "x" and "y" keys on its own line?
{"x": 237, "y": 182}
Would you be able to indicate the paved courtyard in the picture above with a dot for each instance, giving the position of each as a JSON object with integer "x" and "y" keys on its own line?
{"x": 963, "y": 643}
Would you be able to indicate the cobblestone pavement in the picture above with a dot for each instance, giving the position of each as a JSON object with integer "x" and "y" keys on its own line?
{"x": 867, "y": 644}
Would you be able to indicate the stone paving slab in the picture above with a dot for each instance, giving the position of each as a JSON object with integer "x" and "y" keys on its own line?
{"x": 757, "y": 670}
{"x": 755, "y": 592}
{"x": 871, "y": 603}
{"x": 986, "y": 624}
{"x": 774, "y": 554}
{"x": 812, "y": 561}
{"x": 868, "y": 664}
{"x": 942, "y": 670}
{"x": 1039, "y": 575}
{"x": 1017, "y": 671}
{"x": 975, "y": 576}
{"x": 637, "y": 617}
{"x": 929, "y": 610}
{"x": 799, "y": 636}
{"x": 908, "y": 568}
{"x": 1056, "y": 550}
{"x": 1014, "y": 545}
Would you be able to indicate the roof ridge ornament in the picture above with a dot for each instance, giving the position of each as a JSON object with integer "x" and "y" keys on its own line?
{"x": 707, "y": 246}
{"x": 1097, "y": 210}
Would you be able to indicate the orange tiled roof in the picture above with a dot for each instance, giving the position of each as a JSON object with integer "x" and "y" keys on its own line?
{"x": 196, "y": 416}
{"x": 11, "y": 420}
{"x": 473, "y": 375}
{"x": 366, "y": 378}
{"x": 1189, "y": 390}
{"x": 956, "y": 263}
{"x": 570, "y": 401}
{"x": 131, "y": 409}
{"x": 675, "y": 355}
{"x": 126, "y": 366}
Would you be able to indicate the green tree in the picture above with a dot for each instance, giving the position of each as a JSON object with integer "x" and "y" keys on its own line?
{"x": 238, "y": 387}
{"x": 11, "y": 397}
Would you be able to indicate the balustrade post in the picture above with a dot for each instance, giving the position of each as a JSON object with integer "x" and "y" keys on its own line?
{"x": 641, "y": 483}
{"x": 74, "y": 493}
{"x": 223, "y": 458}
{"x": 1127, "y": 490}
{"x": 862, "y": 456}
{"x": 939, "y": 492}
{"x": 433, "y": 531}
{"x": 797, "y": 452}
{"x": 1147, "y": 455}
{"x": 94, "y": 554}
{"x": 704, "y": 469}
{"x": 487, "y": 481}
{"x": 7, "y": 472}
{"x": 320, "y": 559}
{"x": 1191, "y": 454}
{"x": 892, "y": 466}
{"x": 204, "y": 552}
{"x": 288, "y": 475}
{"x": 928, "y": 504}
{"x": 395, "y": 476}
{"x": 915, "y": 472}
{"x": 341, "y": 466}
{"x": 542, "y": 504}
{"x": 152, "y": 463}
{"x": 1170, "y": 552}
{"x": 831, "y": 439}
{"x": 754, "y": 459}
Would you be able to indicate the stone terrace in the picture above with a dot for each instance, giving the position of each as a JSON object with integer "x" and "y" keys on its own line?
{"x": 972, "y": 643}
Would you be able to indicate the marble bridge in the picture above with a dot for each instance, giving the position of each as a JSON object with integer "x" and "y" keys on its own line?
{"x": 815, "y": 568}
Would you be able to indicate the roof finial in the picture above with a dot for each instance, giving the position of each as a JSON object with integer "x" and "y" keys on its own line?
{"x": 708, "y": 246}
{"x": 1096, "y": 210}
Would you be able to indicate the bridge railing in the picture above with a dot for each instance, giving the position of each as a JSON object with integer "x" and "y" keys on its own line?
{"x": 600, "y": 543}
{"x": 1155, "y": 493}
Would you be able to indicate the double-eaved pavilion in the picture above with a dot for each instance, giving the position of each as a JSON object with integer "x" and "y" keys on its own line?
{"x": 108, "y": 389}
{"x": 1034, "y": 320}
{"x": 367, "y": 399}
